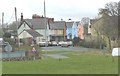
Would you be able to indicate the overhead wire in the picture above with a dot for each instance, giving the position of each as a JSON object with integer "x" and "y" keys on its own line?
{"x": 11, "y": 18}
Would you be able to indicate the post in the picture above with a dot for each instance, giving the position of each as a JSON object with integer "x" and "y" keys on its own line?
{"x": 2, "y": 22}
{"x": 44, "y": 10}
{"x": 17, "y": 27}
{"x": 45, "y": 27}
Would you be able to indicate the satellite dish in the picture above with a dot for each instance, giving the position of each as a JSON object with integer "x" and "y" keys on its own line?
{"x": 8, "y": 47}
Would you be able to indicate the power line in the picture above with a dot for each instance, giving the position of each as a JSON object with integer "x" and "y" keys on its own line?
{"x": 11, "y": 17}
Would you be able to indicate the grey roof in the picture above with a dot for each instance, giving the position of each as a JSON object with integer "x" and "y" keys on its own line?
{"x": 77, "y": 23}
{"x": 33, "y": 33}
{"x": 57, "y": 25}
{"x": 36, "y": 23}
{"x": 69, "y": 24}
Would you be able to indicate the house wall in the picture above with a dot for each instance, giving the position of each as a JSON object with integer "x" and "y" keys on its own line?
{"x": 24, "y": 34}
{"x": 56, "y": 35}
{"x": 23, "y": 27}
{"x": 38, "y": 39}
{"x": 57, "y": 38}
{"x": 42, "y": 32}
{"x": 89, "y": 29}
{"x": 68, "y": 31}
{"x": 56, "y": 32}
{"x": 74, "y": 30}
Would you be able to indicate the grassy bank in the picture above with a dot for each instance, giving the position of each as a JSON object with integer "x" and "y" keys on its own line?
{"x": 78, "y": 63}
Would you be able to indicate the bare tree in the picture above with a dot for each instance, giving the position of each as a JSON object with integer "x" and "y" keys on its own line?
{"x": 85, "y": 23}
{"x": 85, "y": 20}
{"x": 108, "y": 26}
{"x": 112, "y": 8}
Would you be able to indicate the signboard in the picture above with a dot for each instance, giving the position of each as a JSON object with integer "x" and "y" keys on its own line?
{"x": 116, "y": 52}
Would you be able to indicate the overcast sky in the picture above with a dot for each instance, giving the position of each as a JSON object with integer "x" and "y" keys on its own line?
{"x": 57, "y": 9}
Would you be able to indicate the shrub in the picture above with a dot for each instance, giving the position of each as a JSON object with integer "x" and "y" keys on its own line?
{"x": 11, "y": 42}
{"x": 76, "y": 41}
{"x": 7, "y": 35}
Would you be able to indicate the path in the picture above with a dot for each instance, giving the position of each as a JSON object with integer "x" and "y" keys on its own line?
{"x": 56, "y": 56}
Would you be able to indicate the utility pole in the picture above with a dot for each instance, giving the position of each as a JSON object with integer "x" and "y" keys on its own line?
{"x": 17, "y": 27}
{"x": 45, "y": 24}
{"x": 45, "y": 27}
{"x": 44, "y": 10}
{"x": 2, "y": 22}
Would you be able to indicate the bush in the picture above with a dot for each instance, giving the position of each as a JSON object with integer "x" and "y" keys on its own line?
{"x": 11, "y": 42}
{"x": 76, "y": 41}
{"x": 90, "y": 43}
{"x": 7, "y": 35}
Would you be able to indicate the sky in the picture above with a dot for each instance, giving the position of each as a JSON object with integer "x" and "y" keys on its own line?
{"x": 57, "y": 9}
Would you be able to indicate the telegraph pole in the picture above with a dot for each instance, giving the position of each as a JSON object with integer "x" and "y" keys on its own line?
{"x": 44, "y": 9}
{"x": 17, "y": 27}
{"x": 2, "y": 22}
{"x": 45, "y": 27}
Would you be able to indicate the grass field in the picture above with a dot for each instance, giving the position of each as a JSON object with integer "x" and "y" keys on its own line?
{"x": 78, "y": 63}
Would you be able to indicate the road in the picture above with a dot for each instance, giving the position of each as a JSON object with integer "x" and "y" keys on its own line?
{"x": 59, "y": 48}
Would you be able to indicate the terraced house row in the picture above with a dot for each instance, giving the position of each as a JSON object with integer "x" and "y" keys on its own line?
{"x": 39, "y": 29}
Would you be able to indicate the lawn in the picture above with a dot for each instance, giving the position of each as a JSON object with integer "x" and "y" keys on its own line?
{"x": 78, "y": 63}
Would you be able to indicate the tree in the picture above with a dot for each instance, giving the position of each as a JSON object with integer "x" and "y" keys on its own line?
{"x": 85, "y": 23}
{"x": 76, "y": 40}
{"x": 7, "y": 35}
{"x": 13, "y": 26}
{"x": 85, "y": 20}
{"x": 108, "y": 26}
{"x": 112, "y": 8}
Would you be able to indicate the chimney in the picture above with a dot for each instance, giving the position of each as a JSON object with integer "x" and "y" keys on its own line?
{"x": 69, "y": 20}
{"x": 21, "y": 16}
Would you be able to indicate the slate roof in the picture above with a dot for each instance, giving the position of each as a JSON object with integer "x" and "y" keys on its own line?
{"x": 36, "y": 23}
{"x": 57, "y": 25}
{"x": 69, "y": 24}
{"x": 33, "y": 33}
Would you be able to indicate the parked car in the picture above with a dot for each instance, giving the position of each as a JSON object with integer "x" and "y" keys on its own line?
{"x": 70, "y": 43}
{"x": 54, "y": 43}
{"x": 60, "y": 43}
{"x": 64, "y": 44}
{"x": 43, "y": 43}
{"x": 49, "y": 43}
